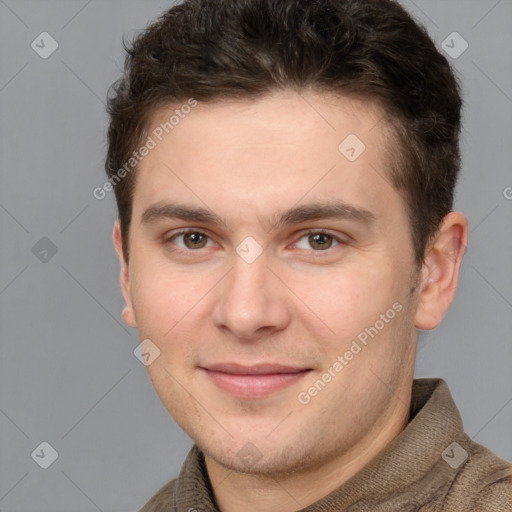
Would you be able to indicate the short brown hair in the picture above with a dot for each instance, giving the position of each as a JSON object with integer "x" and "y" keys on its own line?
{"x": 215, "y": 49}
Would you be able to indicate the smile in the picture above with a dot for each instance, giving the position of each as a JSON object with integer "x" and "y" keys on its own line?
{"x": 251, "y": 382}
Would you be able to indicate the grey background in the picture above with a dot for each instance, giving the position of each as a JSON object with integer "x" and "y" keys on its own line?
{"x": 68, "y": 375}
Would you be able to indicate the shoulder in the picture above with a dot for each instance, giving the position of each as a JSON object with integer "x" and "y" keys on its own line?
{"x": 482, "y": 482}
{"x": 162, "y": 499}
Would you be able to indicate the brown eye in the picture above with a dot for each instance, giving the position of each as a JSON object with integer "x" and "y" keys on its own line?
{"x": 320, "y": 241}
{"x": 194, "y": 240}
{"x": 188, "y": 241}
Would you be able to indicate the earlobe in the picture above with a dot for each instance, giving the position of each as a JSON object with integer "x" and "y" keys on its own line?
{"x": 440, "y": 271}
{"x": 128, "y": 313}
{"x": 128, "y": 316}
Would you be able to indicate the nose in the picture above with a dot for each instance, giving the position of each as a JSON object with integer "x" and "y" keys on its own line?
{"x": 251, "y": 301}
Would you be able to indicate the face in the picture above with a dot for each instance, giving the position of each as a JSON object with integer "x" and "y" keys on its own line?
{"x": 272, "y": 266}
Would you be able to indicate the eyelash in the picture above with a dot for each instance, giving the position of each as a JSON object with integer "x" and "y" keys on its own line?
{"x": 202, "y": 233}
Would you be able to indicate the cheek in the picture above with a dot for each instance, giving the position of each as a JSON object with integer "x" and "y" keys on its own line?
{"x": 350, "y": 298}
{"x": 163, "y": 299}
{"x": 351, "y": 303}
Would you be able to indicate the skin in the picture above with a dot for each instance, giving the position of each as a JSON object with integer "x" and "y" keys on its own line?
{"x": 300, "y": 303}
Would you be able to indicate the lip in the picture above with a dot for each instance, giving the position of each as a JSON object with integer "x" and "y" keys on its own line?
{"x": 256, "y": 381}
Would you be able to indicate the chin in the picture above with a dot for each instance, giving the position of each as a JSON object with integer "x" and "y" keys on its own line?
{"x": 262, "y": 457}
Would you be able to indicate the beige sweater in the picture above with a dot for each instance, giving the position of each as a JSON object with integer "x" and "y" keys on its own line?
{"x": 431, "y": 466}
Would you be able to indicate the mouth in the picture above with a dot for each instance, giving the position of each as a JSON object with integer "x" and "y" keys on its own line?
{"x": 251, "y": 382}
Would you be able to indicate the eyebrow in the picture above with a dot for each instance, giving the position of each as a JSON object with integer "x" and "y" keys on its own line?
{"x": 295, "y": 215}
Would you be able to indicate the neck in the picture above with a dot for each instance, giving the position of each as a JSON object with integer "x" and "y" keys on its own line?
{"x": 292, "y": 492}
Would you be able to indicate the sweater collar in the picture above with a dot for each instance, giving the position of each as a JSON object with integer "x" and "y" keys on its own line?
{"x": 433, "y": 424}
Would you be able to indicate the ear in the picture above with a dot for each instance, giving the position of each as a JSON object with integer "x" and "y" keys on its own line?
{"x": 128, "y": 312}
{"x": 440, "y": 271}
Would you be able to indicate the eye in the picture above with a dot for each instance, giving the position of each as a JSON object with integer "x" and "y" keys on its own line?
{"x": 317, "y": 240}
{"x": 189, "y": 240}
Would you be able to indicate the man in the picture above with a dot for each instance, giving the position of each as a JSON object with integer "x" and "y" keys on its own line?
{"x": 284, "y": 173}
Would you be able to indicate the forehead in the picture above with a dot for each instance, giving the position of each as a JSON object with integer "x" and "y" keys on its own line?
{"x": 267, "y": 153}
{"x": 283, "y": 114}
